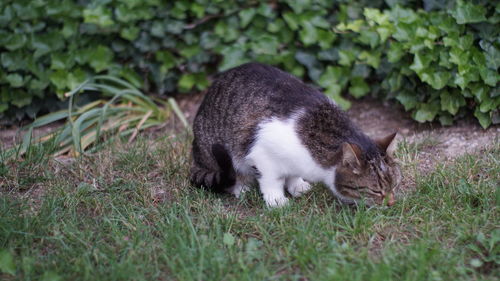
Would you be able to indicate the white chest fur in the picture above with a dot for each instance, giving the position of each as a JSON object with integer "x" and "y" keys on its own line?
{"x": 280, "y": 157}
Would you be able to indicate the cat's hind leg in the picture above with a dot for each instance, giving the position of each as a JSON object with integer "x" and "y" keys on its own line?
{"x": 296, "y": 186}
{"x": 217, "y": 179}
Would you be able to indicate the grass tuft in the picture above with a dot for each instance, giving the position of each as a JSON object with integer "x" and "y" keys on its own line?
{"x": 127, "y": 212}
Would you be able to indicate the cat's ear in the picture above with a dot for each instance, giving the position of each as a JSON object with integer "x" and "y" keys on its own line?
{"x": 388, "y": 144}
{"x": 351, "y": 155}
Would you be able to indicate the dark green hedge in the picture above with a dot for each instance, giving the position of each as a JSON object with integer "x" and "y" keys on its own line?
{"x": 439, "y": 59}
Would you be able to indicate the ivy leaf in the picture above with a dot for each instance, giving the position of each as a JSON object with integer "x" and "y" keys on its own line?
{"x": 246, "y": 16}
{"x": 334, "y": 75}
{"x": 233, "y": 56}
{"x": 467, "y": 12}
{"x": 197, "y": 9}
{"x": 395, "y": 52}
{"x": 7, "y": 263}
{"x": 355, "y": 26}
{"x": 369, "y": 37}
{"x": 15, "y": 80}
{"x": 225, "y": 32}
{"x": 333, "y": 91}
{"x": 483, "y": 118}
{"x": 358, "y": 87}
{"x": 167, "y": 59}
{"x": 325, "y": 38}
{"x": 61, "y": 61}
{"x": 407, "y": 99}
{"x": 393, "y": 82}
{"x": 100, "y": 58}
{"x": 426, "y": 112}
{"x": 58, "y": 78}
{"x": 75, "y": 78}
{"x": 479, "y": 91}
{"x": 404, "y": 32}
{"x": 21, "y": 98}
{"x": 15, "y": 41}
{"x": 209, "y": 40}
{"x": 292, "y": 20}
{"x": 376, "y": 16}
{"x": 308, "y": 34}
{"x": 346, "y": 57}
{"x": 312, "y": 64}
{"x": 186, "y": 82}
{"x": 46, "y": 42}
{"x": 371, "y": 58}
{"x": 130, "y": 33}
{"x": 265, "y": 44}
{"x": 420, "y": 62}
{"x": 458, "y": 56}
{"x": 492, "y": 54}
{"x": 99, "y": 15}
{"x": 36, "y": 84}
{"x": 444, "y": 59}
{"x": 445, "y": 119}
{"x": 489, "y": 76}
{"x": 439, "y": 79}
{"x": 174, "y": 26}
{"x": 400, "y": 14}
{"x": 190, "y": 51}
{"x": 70, "y": 28}
{"x": 158, "y": 29}
{"x": 451, "y": 102}
{"x": 384, "y": 33}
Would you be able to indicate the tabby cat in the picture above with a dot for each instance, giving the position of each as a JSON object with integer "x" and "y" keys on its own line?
{"x": 258, "y": 122}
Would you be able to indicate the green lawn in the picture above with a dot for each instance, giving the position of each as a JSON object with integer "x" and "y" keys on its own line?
{"x": 128, "y": 213}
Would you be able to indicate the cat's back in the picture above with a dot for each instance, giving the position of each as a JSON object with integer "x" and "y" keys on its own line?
{"x": 261, "y": 87}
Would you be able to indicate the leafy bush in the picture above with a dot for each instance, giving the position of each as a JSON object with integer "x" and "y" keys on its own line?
{"x": 438, "y": 63}
{"x": 434, "y": 63}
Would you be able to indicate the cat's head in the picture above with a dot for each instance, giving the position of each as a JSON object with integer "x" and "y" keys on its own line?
{"x": 372, "y": 179}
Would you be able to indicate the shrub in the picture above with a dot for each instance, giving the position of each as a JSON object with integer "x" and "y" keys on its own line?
{"x": 439, "y": 62}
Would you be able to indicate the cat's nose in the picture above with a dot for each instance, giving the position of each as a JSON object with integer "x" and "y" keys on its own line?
{"x": 390, "y": 199}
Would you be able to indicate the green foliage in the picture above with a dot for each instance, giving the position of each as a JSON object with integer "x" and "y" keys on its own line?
{"x": 439, "y": 62}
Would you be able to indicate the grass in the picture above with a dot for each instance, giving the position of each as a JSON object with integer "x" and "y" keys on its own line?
{"x": 129, "y": 213}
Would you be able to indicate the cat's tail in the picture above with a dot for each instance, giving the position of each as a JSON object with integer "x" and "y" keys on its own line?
{"x": 217, "y": 180}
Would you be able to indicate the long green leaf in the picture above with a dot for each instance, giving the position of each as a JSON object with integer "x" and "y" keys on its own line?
{"x": 178, "y": 112}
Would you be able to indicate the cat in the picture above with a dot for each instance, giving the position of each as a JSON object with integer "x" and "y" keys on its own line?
{"x": 258, "y": 122}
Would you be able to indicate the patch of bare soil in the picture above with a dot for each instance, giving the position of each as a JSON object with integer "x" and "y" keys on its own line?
{"x": 378, "y": 118}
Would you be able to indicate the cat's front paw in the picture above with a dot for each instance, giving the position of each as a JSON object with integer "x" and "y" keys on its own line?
{"x": 275, "y": 201}
{"x": 297, "y": 187}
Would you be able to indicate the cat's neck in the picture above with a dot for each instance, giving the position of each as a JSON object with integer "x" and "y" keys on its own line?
{"x": 324, "y": 128}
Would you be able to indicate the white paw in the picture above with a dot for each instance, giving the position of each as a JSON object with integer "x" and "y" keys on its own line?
{"x": 274, "y": 201}
{"x": 297, "y": 187}
{"x": 238, "y": 189}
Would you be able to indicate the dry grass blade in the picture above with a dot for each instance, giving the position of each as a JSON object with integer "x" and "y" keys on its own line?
{"x": 125, "y": 114}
